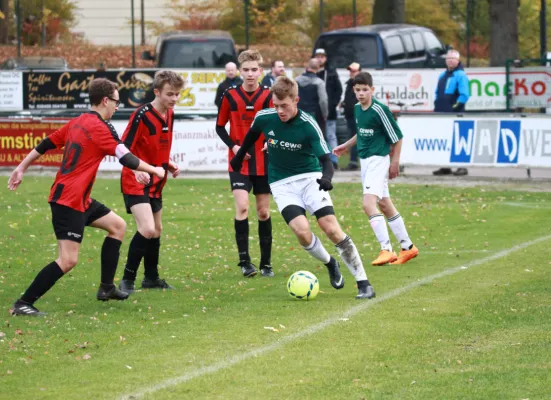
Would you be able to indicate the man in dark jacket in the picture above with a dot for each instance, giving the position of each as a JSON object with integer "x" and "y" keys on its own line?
{"x": 348, "y": 108}
{"x": 232, "y": 80}
{"x": 278, "y": 69}
{"x": 311, "y": 93}
{"x": 452, "y": 92}
{"x": 333, "y": 87}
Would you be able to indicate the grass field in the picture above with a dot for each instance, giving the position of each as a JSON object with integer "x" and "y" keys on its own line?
{"x": 470, "y": 318}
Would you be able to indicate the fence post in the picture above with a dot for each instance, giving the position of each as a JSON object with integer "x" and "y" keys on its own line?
{"x": 18, "y": 16}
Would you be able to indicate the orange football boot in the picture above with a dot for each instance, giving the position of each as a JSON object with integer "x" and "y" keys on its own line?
{"x": 406, "y": 255}
{"x": 385, "y": 257}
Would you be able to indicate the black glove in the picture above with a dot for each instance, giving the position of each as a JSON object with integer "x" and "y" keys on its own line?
{"x": 457, "y": 106}
{"x": 236, "y": 164}
{"x": 325, "y": 184}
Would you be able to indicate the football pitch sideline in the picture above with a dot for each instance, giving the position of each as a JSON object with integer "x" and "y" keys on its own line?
{"x": 470, "y": 317}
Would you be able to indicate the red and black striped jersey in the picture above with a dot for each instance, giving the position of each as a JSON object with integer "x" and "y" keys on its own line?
{"x": 87, "y": 140}
{"x": 149, "y": 137}
{"x": 239, "y": 108}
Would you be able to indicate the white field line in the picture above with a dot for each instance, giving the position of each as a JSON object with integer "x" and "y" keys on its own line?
{"x": 541, "y": 206}
{"x": 364, "y": 305}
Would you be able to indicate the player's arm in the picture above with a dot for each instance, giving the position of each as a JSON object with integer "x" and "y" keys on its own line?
{"x": 250, "y": 139}
{"x": 327, "y": 171}
{"x": 395, "y": 135}
{"x": 129, "y": 160}
{"x": 221, "y": 121}
{"x": 53, "y": 141}
{"x": 343, "y": 148}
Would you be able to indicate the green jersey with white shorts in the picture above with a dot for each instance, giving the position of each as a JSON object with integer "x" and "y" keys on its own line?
{"x": 376, "y": 130}
{"x": 294, "y": 146}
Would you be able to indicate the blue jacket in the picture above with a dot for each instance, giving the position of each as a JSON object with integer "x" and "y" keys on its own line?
{"x": 268, "y": 80}
{"x": 452, "y": 90}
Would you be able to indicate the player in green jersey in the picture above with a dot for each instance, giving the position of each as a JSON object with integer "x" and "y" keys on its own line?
{"x": 379, "y": 142}
{"x": 299, "y": 174}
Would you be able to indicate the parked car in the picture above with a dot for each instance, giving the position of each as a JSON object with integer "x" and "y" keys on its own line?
{"x": 384, "y": 46}
{"x": 193, "y": 49}
{"x": 35, "y": 62}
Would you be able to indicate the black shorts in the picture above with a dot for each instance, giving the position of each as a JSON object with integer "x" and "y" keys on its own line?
{"x": 69, "y": 223}
{"x": 258, "y": 183}
{"x": 131, "y": 200}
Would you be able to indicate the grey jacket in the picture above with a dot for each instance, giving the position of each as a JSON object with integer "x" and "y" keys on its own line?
{"x": 311, "y": 91}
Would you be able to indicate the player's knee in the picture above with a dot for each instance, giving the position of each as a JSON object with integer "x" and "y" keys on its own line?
{"x": 118, "y": 229}
{"x": 263, "y": 213}
{"x": 67, "y": 262}
{"x": 158, "y": 231}
{"x": 242, "y": 209}
{"x": 148, "y": 232}
{"x": 332, "y": 230}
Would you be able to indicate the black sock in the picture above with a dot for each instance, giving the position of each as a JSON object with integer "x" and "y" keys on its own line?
{"x": 363, "y": 284}
{"x": 242, "y": 239}
{"x": 136, "y": 251}
{"x": 151, "y": 259}
{"x": 265, "y": 238}
{"x": 109, "y": 259}
{"x": 43, "y": 282}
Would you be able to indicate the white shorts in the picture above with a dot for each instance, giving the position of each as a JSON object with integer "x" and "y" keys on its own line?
{"x": 304, "y": 193}
{"x": 375, "y": 175}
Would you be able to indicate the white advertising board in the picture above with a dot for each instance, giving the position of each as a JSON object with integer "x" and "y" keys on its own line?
{"x": 195, "y": 147}
{"x": 482, "y": 141}
{"x": 11, "y": 90}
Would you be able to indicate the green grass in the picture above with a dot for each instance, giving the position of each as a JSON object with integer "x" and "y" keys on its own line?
{"x": 482, "y": 333}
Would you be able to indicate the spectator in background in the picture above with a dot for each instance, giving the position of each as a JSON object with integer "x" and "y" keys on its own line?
{"x": 232, "y": 80}
{"x": 312, "y": 94}
{"x": 348, "y": 108}
{"x": 452, "y": 93}
{"x": 278, "y": 69}
{"x": 333, "y": 87}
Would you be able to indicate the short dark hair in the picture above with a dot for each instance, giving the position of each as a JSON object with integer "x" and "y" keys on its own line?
{"x": 363, "y": 78}
{"x": 274, "y": 62}
{"x": 100, "y": 88}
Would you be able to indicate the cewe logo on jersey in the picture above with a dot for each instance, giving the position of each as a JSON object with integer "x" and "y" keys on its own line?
{"x": 485, "y": 142}
{"x": 273, "y": 142}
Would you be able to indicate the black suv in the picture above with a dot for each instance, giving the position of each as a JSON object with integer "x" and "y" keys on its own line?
{"x": 384, "y": 46}
{"x": 193, "y": 49}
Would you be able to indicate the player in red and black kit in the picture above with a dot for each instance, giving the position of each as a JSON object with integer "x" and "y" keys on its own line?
{"x": 87, "y": 139}
{"x": 149, "y": 136}
{"x": 239, "y": 106}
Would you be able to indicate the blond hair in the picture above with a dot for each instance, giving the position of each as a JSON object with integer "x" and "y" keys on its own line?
{"x": 249, "y": 55}
{"x": 284, "y": 87}
{"x": 172, "y": 78}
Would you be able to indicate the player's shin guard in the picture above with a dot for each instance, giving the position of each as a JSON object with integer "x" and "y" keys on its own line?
{"x": 265, "y": 238}
{"x": 43, "y": 282}
{"x": 136, "y": 251}
{"x": 242, "y": 239}
{"x": 349, "y": 254}
{"x": 316, "y": 250}
{"x": 399, "y": 230}
{"x": 110, "y": 252}
{"x": 151, "y": 259}
{"x": 378, "y": 224}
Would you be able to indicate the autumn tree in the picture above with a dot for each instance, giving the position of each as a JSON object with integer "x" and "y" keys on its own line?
{"x": 4, "y": 21}
{"x": 503, "y": 31}
{"x": 389, "y": 12}
{"x": 58, "y": 16}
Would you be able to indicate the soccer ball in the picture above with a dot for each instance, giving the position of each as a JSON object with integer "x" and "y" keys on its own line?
{"x": 303, "y": 285}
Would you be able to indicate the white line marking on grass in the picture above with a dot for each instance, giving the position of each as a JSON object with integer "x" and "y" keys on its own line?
{"x": 455, "y": 251}
{"x": 364, "y": 305}
{"x": 541, "y": 206}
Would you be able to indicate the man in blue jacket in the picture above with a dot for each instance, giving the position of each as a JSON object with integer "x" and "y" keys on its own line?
{"x": 452, "y": 92}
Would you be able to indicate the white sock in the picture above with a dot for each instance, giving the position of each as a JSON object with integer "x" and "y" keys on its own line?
{"x": 378, "y": 224}
{"x": 316, "y": 250}
{"x": 349, "y": 254}
{"x": 398, "y": 227}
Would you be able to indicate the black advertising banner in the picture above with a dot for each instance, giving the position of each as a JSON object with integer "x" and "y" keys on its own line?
{"x": 69, "y": 89}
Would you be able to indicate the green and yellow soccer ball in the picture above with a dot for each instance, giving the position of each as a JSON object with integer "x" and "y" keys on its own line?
{"x": 303, "y": 285}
